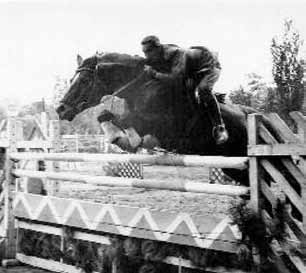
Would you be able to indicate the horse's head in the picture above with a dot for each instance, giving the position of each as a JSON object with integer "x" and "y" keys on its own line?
{"x": 81, "y": 83}
{"x": 95, "y": 77}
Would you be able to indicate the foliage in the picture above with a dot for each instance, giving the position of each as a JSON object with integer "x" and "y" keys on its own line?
{"x": 288, "y": 70}
{"x": 129, "y": 254}
{"x": 111, "y": 169}
{"x": 272, "y": 101}
{"x": 29, "y": 112}
{"x": 256, "y": 232}
{"x": 59, "y": 90}
{"x": 256, "y": 94}
{"x": 241, "y": 96}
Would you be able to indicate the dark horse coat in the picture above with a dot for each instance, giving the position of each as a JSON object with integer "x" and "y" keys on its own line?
{"x": 164, "y": 111}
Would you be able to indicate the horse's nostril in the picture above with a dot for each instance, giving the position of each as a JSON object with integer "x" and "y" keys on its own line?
{"x": 60, "y": 109}
{"x": 115, "y": 140}
{"x": 105, "y": 116}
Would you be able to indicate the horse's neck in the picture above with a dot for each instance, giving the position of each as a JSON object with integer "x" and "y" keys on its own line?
{"x": 123, "y": 59}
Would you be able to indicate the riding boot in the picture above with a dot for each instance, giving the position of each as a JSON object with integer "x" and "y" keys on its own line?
{"x": 209, "y": 101}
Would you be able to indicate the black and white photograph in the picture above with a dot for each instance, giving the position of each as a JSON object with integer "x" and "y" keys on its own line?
{"x": 163, "y": 136}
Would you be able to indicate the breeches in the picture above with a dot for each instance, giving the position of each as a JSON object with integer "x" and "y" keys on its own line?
{"x": 205, "y": 85}
{"x": 206, "y": 99}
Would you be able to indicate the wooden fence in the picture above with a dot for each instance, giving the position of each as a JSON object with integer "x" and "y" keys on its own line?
{"x": 277, "y": 159}
{"x": 276, "y": 162}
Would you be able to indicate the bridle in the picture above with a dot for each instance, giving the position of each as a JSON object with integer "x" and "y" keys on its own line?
{"x": 93, "y": 70}
{"x": 114, "y": 94}
{"x": 117, "y": 92}
{"x": 81, "y": 69}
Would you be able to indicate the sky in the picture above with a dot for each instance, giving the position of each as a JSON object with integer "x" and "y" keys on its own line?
{"x": 39, "y": 40}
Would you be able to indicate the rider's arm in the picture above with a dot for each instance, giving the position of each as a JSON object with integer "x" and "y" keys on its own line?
{"x": 178, "y": 67}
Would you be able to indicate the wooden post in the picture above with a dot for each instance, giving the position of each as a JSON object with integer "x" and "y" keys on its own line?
{"x": 114, "y": 266}
{"x": 253, "y": 123}
{"x": 9, "y": 230}
{"x": 303, "y": 194}
{"x": 101, "y": 138}
{"x": 107, "y": 146}
{"x": 302, "y": 162}
{"x": 300, "y": 121}
{"x": 55, "y": 137}
{"x": 18, "y": 137}
{"x": 19, "y": 130}
{"x": 77, "y": 143}
{"x": 44, "y": 123}
{"x": 180, "y": 265}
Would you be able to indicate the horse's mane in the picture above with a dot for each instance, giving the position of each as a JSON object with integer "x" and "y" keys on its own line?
{"x": 122, "y": 58}
{"x": 126, "y": 60}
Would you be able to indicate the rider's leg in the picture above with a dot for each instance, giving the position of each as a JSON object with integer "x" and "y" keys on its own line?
{"x": 208, "y": 100}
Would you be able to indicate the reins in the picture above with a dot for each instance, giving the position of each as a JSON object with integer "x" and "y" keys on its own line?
{"x": 117, "y": 92}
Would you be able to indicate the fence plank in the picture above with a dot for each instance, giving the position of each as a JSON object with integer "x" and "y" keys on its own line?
{"x": 267, "y": 192}
{"x": 265, "y": 134}
{"x": 8, "y": 185}
{"x": 51, "y": 265}
{"x": 164, "y": 159}
{"x": 300, "y": 120}
{"x": 2, "y": 124}
{"x": 281, "y": 180}
{"x": 281, "y": 129}
{"x": 55, "y": 137}
{"x": 290, "y": 149}
{"x": 294, "y": 227}
{"x": 294, "y": 170}
{"x": 34, "y": 144}
{"x": 79, "y": 235}
{"x": 175, "y": 185}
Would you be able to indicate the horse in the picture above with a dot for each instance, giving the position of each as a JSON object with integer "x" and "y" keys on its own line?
{"x": 167, "y": 113}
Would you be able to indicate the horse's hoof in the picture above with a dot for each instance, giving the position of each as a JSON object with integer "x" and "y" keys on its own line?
{"x": 221, "y": 140}
{"x": 220, "y": 134}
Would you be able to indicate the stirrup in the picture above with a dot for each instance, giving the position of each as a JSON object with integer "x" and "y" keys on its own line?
{"x": 220, "y": 134}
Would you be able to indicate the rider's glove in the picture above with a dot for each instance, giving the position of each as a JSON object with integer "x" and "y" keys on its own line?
{"x": 150, "y": 71}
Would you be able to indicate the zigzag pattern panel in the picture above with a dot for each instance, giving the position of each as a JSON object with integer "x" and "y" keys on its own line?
{"x": 208, "y": 232}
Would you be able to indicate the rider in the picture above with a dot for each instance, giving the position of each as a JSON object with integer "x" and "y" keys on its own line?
{"x": 196, "y": 66}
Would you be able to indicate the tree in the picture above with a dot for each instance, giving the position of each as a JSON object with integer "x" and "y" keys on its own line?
{"x": 271, "y": 101}
{"x": 258, "y": 89}
{"x": 287, "y": 70}
{"x": 241, "y": 96}
{"x": 60, "y": 89}
{"x": 255, "y": 93}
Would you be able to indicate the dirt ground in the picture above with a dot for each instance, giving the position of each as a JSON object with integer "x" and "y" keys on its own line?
{"x": 160, "y": 200}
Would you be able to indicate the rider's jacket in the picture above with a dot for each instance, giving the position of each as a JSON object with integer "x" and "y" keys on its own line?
{"x": 177, "y": 62}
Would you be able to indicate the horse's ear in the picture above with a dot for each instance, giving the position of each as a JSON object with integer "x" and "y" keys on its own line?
{"x": 79, "y": 60}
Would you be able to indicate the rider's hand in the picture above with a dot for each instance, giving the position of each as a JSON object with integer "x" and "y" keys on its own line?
{"x": 150, "y": 71}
